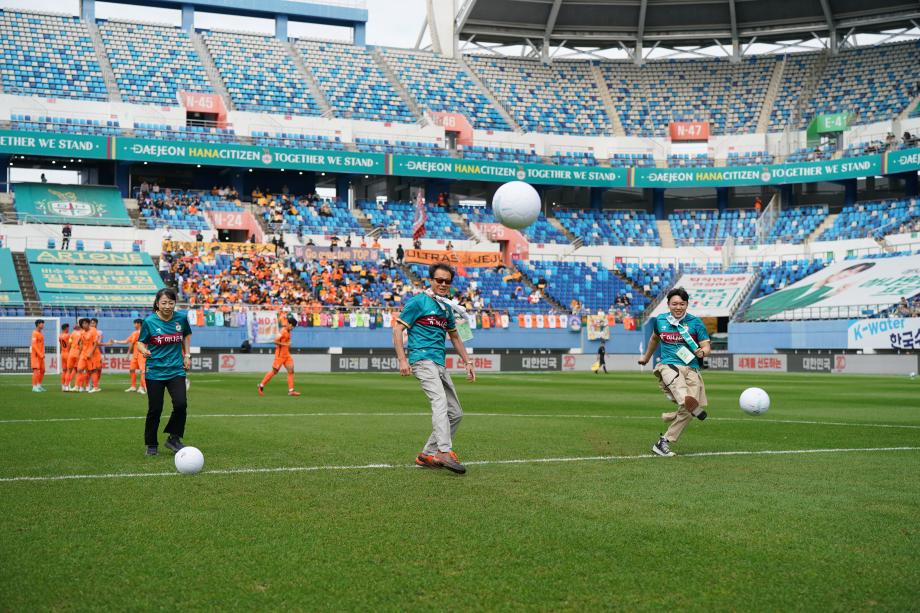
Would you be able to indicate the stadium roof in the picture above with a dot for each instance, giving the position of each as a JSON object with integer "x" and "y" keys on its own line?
{"x": 675, "y": 23}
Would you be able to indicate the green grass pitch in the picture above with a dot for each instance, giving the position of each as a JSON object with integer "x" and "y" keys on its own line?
{"x": 353, "y": 526}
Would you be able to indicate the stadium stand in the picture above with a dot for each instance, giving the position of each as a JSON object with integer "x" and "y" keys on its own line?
{"x": 727, "y": 95}
{"x": 493, "y": 289}
{"x": 205, "y": 134}
{"x": 307, "y": 215}
{"x": 683, "y": 160}
{"x": 694, "y": 227}
{"x": 610, "y": 227}
{"x": 653, "y": 277}
{"x": 65, "y": 125}
{"x": 794, "y": 225}
{"x": 639, "y": 160}
{"x": 499, "y": 154}
{"x": 575, "y": 158}
{"x": 561, "y": 98}
{"x": 298, "y": 141}
{"x": 48, "y": 55}
{"x": 353, "y": 83}
{"x": 439, "y": 84}
{"x": 384, "y": 145}
{"x": 152, "y": 63}
{"x": 750, "y": 158}
{"x": 798, "y": 67}
{"x": 777, "y": 275}
{"x": 166, "y": 209}
{"x": 589, "y": 285}
{"x": 872, "y": 218}
{"x": 867, "y": 81}
{"x": 811, "y": 154}
{"x": 259, "y": 74}
{"x": 396, "y": 219}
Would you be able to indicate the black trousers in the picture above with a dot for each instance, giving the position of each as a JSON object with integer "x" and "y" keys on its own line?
{"x": 156, "y": 391}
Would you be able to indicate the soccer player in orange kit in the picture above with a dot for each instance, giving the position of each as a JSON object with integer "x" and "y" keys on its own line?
{"x": 64, "y": 340}
{"x": 282, "y": 355}
{"x": 37, "y": 356}
{"x": 138, "y": 361}
{"x": 74, "y": 344}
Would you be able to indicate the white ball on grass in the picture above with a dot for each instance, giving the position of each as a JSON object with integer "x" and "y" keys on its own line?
{"x": 189, "y": 460}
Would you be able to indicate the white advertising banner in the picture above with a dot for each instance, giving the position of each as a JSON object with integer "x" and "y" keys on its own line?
{"x": 893, "y": 333}
{"x": 860, "y": 285}
{"x": 263, "y": 326}
{"x": 710, "y": 295}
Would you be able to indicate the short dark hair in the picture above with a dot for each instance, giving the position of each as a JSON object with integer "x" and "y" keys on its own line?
{"x": 93, "y": 319}
{"x": 292, "y": 320}
{"x": 678, "y": 291}
{"x": 82, "y": 320}
{"x": 138, "y": 321}
{"x": 39, "y": 321}
{"x": 440, "y": 266}
{"x": 166, "y": 291}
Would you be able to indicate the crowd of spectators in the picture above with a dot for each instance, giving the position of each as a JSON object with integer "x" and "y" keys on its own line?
{"x": 907, "y": 308}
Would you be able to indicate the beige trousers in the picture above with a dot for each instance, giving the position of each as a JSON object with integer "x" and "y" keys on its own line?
{"x": 446, "y": 412}
{"x": 679, "y": 382}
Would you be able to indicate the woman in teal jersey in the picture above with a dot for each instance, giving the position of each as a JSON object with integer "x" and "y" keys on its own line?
{"x": 164, "y": 340}
{"x": 684, "y": 342}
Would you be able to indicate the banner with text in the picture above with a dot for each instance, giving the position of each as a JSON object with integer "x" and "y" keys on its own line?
{"x": 479, "y": 170}
{"x": 710, "y": 295}
{"x": 902, "y": 161}
{"x": 10, "y": 293}
{"x": 893, "y": 333}
{"x": 230, "y": 248}
{"x": 53, "y": 144}
{"x": 74, "y": 204}
{"x": 468, "y": 259}
{"x": 359, "y": 254}
{"x": 874, "y": 285}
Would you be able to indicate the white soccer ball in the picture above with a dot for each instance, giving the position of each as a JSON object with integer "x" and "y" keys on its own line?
{"x": 516, "y": 205}
{"x": 754, "y": 401}
{"x": 189, "y": 460}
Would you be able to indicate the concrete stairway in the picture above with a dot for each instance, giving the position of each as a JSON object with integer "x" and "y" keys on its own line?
{"x": 369, "y": 229}
{"x": 664, "y": 231}
{"x": 776, "y": 81}
{"x": 489, "y": 94}
{"x": 398, "y": 86}
{"x": 622, "y": 277}
{"x": 217, "y": 82}
{"x": 565, "y": 232}
{"x": 108, "y": 75}
{"x": 615, "y": 125}
{"x": 811, "y": 84}
{"x": 528, "y": 282}
{"x": 824, "y": 225}
{"x": 470, "y": 233}
{"x": 307, "y": 76}
{"x": 26, "y": 285}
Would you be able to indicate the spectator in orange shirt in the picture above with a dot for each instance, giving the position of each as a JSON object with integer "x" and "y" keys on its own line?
{"x": 37, "y": 356}
{"x": 282, "y": 355}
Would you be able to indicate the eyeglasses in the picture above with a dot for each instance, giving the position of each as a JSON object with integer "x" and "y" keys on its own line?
{"x": 442, "y": 281}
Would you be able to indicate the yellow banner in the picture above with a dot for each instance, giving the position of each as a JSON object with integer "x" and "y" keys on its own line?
{"x": 231, "y": 248}
{"x": 467, "y": 259}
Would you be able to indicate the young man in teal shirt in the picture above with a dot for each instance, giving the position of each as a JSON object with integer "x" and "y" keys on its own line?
{"x": 429, "y": 317}
{"x": 684, "y": 341}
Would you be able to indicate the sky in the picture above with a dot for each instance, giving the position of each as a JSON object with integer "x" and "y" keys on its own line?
{"x": 390, "y": 23}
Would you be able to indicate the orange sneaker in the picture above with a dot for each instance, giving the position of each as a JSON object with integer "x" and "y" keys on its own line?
{"x": 426, "y": 461}
{"x": 450, "y": 461}
{"x": 293, "y": 393}
{"x": 261, "y": 390}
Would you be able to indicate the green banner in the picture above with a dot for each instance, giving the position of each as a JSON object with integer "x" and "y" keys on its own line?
{"x": 832, "y": 122}
{"x": 478, "y": 170}
{"x": 52, "y": 144}
{"x": 226, "y": 154}
{"x": 10, "y": 294}
{"x": 98, "y": 299}
{"x": 101, "y": 258}
{"x": 902, "y": 161}
{"x": 807, "y": 172}
{"x": 79, "y": 204}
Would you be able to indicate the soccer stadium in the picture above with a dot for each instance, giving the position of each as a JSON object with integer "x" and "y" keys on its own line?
{"x": 661, "y": 258}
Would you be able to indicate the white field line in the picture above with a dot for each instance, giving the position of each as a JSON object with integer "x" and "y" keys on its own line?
{"x": 300, "y": 469}
{"x": 468, "y": 414}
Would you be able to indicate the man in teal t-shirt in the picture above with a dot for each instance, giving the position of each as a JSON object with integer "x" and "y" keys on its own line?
{"x": 429, "y": 318}
{"x": 684, "y": 341}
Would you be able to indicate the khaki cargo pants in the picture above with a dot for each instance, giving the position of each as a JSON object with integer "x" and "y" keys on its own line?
{"x": 678, "y": 382}
{"x": 446, "y": 411}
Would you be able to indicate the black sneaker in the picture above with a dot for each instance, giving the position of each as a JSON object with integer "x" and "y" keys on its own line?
{"x": 701, "y": 415}
{"x": 662, "y": 448}
{"x": 151, "y": 450}
{"x": 174, "y": 443}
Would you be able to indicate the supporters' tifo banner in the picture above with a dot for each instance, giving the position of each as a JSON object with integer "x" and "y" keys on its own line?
{"x": 78, "y": 204}
{"x": 262, "y": 326}
{"x": 93, "y": 277}
{"x": 226, "y": 154}
{"x": 49, "y": 143}
{"x": 902, "y": 161}
{"x": 598, "y": 327}
{"x": 10, "y": 294}
{"x": 468, "y": 259}
{"x": 478, "y": 170}
{"x": 710, "y": 295}
{"x": 360, "y": 254}
{"x": 805, "y": 172}
{"x": 231, "y": 248}
{"x": 893, "y": 333}
{"x": 872, "y": 284}
{"x": 551, "y": 322}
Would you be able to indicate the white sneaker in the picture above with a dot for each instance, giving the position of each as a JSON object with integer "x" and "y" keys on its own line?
{"x": 131, "y": 389}
{"x": 141, "y": 390}
{"x": 35, "y": 388}
{"x": 41, "y": 388}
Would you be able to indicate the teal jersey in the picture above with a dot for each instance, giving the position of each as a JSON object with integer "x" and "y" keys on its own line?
{"x": 672, "y": 341}
{"x": 428, "y": 321}
{"x": 164, "y": 340}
